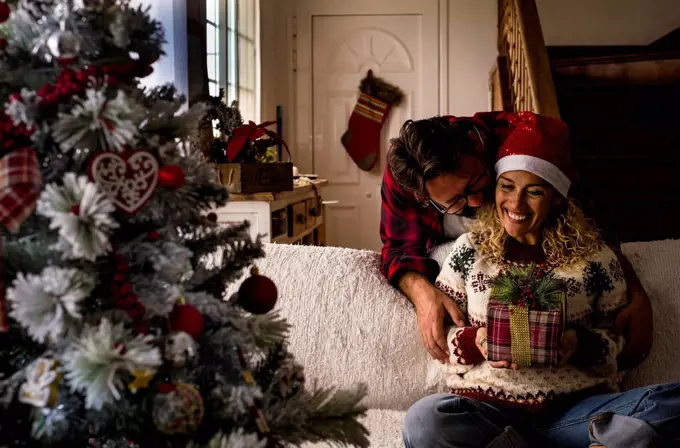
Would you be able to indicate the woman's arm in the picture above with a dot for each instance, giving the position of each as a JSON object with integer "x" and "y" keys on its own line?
{"x": 599, "y": 346}
{"x": 636, "y": 321}
{"x": 463, "y": 341}
{"x": 598, "y": 350}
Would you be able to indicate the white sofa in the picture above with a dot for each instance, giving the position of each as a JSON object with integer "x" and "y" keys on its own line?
{"x": 350, "y": 326}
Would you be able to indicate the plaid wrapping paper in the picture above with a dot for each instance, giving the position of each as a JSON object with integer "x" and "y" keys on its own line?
{"x": 545, "y": 332}
{"x": 20, "y": 185}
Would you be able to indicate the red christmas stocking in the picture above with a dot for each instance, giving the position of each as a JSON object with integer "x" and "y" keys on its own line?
{"x": 362, "y": 138}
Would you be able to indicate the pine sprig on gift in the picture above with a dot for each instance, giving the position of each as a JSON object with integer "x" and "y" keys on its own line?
{"x": 532, "y": 286}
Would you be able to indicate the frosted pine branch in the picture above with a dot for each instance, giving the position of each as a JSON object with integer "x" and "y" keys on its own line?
{"x": 321, "y": 415}
{"x": 204, "y": 240}
{"x": 28, "y": 255}
{"x": 268, "y": 330}
{"x": 236, "y": 256}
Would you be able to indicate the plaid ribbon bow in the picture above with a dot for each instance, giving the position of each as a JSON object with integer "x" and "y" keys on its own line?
{"x": 20, "y": 185}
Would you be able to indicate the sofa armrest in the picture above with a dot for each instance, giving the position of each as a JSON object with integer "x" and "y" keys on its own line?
{"x": 349, "y": 324}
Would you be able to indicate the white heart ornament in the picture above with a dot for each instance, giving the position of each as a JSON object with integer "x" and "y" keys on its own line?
{"x": 129, "y": 178}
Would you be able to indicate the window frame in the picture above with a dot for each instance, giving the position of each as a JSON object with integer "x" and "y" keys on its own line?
{"x": 228, "y": 60}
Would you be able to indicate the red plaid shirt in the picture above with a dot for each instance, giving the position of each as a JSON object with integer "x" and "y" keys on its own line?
{"x": 408, "y": 228}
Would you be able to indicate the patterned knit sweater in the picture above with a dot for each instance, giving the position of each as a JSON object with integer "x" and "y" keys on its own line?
{"x": 596, "y": 292}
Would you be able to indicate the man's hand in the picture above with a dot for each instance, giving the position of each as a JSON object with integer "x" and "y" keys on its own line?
{"x": 635, "y": 322}
{"x": 432, "y": 307}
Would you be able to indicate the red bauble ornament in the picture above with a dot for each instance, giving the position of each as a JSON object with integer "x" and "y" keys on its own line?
{"x": 188, "y": 319}
{"x": 153, "y": 236}
{"x": 4, "y": 12}
{"x": 171, "y": 177}
{"x": 257, "y": 294}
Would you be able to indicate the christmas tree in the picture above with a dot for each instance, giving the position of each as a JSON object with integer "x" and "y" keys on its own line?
{"x": 114, "y": 326}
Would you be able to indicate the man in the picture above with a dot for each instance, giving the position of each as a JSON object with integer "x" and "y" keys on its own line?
{"x": 438, "y": 171}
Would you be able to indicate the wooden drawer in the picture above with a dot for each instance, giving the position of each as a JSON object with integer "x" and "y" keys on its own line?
{"x": 314, "y": 215}
{"x": 279, "y": 223}
{"x": 298, "y": 218}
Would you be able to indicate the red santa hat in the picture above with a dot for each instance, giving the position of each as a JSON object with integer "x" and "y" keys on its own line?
{"x": 539, "y": 145}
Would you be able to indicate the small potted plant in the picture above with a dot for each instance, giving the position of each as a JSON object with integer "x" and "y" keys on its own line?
{"x": 245, "y": 154}
{"x": 526, "y": 316}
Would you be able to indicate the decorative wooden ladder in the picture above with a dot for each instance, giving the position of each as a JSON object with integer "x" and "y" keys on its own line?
{"x": 620, "y": 103}
{"x": 522, "y": 78}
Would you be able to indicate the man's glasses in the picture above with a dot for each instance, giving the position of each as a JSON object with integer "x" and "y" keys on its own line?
{"x": 459, "y": 202}
{"x": 453, "y": 209}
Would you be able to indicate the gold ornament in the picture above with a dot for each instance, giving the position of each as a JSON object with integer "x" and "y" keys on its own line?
{"x": 260, "y": 420}
{"x": 142, "y": 379}
{"x": 248, "y": 377}
{"x": 42, "y": 383}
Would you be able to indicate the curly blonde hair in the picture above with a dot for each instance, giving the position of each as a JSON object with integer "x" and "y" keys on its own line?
{"x": 568, "y": 236}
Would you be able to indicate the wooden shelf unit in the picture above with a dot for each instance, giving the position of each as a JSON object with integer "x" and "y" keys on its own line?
{"x": 287, "y": 217}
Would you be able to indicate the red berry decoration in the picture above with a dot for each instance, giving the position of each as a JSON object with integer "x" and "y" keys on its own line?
{"x": 186, "y": 318}
{"x": 4, "y": 12}
{"x": 257, "y": 293}
{"x": 166, "y": 388}
{"x": 171, "y": 177}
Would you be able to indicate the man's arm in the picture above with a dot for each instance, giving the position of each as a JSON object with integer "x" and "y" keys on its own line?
{"x": 407, "y": 266}
{"x": 404, "y": 234}
{"x": 636, "y": 321}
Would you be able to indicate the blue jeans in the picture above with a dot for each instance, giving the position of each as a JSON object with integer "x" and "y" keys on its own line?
{"x": 641, "y": 418}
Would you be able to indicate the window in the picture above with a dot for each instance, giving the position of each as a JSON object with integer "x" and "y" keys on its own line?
{"x": 232, "y": 28}
{"x": 212, "y": 29}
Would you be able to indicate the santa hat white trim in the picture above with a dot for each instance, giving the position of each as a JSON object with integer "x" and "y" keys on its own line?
{"x": 543, "y": 169}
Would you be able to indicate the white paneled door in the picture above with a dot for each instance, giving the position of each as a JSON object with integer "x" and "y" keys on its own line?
{"x": 338, "y": 42}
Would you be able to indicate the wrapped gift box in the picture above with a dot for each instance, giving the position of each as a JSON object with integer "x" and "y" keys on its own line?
{"x": 524, "y": 337}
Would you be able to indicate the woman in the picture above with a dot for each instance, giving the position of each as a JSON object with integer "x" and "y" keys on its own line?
{"x": 573, "y": 404}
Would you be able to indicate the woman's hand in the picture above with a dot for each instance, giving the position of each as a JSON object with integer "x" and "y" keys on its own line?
{"x": 567, "y": 347}
{"x": 503, "y": 365}
{"x": 481, "y": 342}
